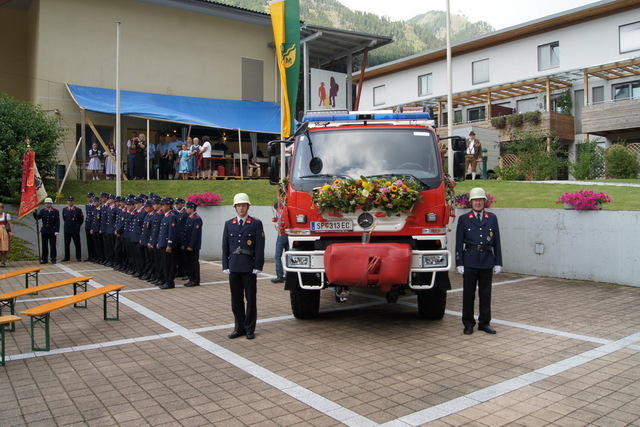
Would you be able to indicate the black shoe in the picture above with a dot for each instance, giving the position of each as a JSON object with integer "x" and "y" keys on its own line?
{"x": 278, "y": 280}
{"x": 43, "y": 262}
{"x": 65, "y": 260}
{"x": 53, "y": 261}
{"x": 250, "y": 335}
{"x": 79, "y": 260}
{"x": 236, "y": 334}
{"x": 167, "y": 286}
{"x": 468, "y": 330}
{"x": 488, "y": 329}
{"x": 191, "y": 284}
{"x": 145, "y": 277}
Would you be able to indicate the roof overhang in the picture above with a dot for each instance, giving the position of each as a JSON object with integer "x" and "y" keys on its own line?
{"x": 616, "y": 70}
{"x": 548, "y": 23}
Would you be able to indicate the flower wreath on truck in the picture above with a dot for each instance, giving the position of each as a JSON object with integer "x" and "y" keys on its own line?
{"x": 393, "y": 195}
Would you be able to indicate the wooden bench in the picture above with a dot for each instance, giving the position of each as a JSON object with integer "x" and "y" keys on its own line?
{"x": 28, "y": 273}
{"x": 9, "y": 299}
{"x": 5, "y": 320}
{"x": 40, "y": 314}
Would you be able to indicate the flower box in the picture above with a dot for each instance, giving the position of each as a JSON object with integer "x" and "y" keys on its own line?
{"x": 584, "y": 200}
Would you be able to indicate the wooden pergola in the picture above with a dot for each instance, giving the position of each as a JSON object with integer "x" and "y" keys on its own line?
{"x": 616, "y": 70}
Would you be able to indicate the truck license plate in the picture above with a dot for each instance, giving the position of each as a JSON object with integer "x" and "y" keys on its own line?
{"x": 331, "y": 226}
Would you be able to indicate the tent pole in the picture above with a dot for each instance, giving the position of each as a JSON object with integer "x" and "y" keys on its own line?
{"x": 148, "y": 150}
{"x": 73, "y": 156}
{"x": 240, "y": 146}
{"x": 83, "y": 130}
{"x": 118, "y": 130}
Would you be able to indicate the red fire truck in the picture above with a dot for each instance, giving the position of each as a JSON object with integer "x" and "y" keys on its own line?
{"x": 391, "y": 253}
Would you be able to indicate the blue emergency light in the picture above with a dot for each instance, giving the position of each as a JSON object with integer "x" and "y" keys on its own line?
{"x": 366, "y": 116}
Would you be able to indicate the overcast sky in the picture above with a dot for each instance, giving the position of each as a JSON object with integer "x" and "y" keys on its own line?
{"x": 498, "y": 13}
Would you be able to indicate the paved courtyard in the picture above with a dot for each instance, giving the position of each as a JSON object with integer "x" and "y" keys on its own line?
{"x": 566, "y": 353}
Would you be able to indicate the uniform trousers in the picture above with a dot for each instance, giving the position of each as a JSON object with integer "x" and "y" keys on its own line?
{"x": 76, "y": 242}
{"x": 140, "y": 258}
{"x": 149, "y": 261}
{"x": 90, "y": 251}
{"x": 97, "y": 246}
{"x": 49, "y": 245}
{"x": 168, "y": 266}
{"x": 158, "y": 269}
{"x": 132, "y": 253}
{"x": 180, "y": 262}
{"x": 192, "y": 265}
{"x": 480, "y": 278}
{"x": 117, "y": 250}
{"x": 243, "y": 286}
{"x": 107, "y": 244}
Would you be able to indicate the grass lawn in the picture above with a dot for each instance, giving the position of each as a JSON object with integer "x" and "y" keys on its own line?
{"x": 260, "y": 191}
{"x": 509, "y": 194}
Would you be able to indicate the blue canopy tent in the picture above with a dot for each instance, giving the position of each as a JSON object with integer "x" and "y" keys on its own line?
{"x": 248, "y": 116}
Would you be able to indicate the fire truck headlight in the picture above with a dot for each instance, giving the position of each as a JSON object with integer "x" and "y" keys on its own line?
{"x": 298, "y": 261}
{"x": 439, "y": 260}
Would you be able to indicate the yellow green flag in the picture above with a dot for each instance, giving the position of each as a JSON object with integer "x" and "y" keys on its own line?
{"x": 285, "y": 20}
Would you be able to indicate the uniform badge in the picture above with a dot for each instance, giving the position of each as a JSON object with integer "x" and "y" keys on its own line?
{"x": 491, "y": 234}
{"x": 249, "y": 242}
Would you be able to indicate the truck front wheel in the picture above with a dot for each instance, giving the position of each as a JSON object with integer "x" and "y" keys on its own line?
{"x": 432, "y": 303}
{"x": 305, "y": 304}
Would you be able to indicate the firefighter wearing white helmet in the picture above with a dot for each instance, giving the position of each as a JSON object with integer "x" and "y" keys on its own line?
{"x": 478, "y": 256}
{"x": 242, "y": 260}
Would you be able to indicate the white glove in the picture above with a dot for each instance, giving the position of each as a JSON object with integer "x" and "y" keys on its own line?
{"x": 226, "y": 271}
{"x": 256, "y": 271}
{"x": 56, "y": 233}
{"x": 497, "y": 269}
{"x": 460, "y": 269}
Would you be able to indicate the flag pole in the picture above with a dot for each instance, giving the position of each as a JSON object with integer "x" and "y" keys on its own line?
{"x": 449, "y": 95}
{"x": 118, "y": 130}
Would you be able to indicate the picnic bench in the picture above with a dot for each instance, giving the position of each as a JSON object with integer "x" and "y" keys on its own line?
{"x": 4, "y": 321}
{"x": 31, "y": 272}
{"x": 9, "y": 299}
{"x": 40, "y": 314}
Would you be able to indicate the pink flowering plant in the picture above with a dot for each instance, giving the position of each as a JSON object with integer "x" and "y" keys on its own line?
{"x": 462, "y": 201}
{"x": 205, "y": 199}
{"x": 584, "y": 200}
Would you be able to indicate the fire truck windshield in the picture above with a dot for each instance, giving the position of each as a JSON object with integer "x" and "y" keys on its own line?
{"x": 371, "y": 151}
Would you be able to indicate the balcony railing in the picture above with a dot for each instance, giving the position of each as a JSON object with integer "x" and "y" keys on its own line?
{"x": 613, "y": 116}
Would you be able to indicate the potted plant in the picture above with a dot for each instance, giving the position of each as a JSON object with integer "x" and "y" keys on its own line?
{"x": 205, "y": 199}
{"x": 584, "y": 200}
{"x": 462, "y": 201}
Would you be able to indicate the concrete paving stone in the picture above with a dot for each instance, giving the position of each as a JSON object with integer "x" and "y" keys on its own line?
{"x": 195, "y": 421}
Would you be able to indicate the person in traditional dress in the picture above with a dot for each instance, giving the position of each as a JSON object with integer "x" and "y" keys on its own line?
{"x": 183, "y": 166}
{"x": 109, "y": 163}
{"x": 5, "y": 236}
{"x": 94, "y": 162}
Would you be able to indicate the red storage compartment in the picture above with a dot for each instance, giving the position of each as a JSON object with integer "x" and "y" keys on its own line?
{"x": 372, "y": 264}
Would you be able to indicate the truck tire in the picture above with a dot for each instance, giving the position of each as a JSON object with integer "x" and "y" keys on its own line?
{"x": 305, "y": 304}
{"x": 432, "y": 303}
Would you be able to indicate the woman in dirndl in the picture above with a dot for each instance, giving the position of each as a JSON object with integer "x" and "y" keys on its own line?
{"x": 110, "y": 164}
{"x": 5, "y": 236}
{"x": 94, "y": 162}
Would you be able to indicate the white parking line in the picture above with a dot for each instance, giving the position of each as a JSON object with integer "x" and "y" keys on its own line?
{"x": 506, "y": 282}
{"x": 477, "y": 397}
{"x": 314, "y": 400}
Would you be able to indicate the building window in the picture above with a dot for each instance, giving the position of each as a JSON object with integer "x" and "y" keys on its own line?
{"x": 597, "y": 94}
{"x": 626, "y": 90}
{"x": 548, "y": 56}
{"x": 425, "y": 84}
{"x": 378, "y": 95}
{"x": 252, "y": 79}
{"x": 480, "y": 71}
{"x": 457, "y": 117}
{"x": 629, "y": 37}
{"x": 475, "y": 114}
{"x": 527, "y": 105}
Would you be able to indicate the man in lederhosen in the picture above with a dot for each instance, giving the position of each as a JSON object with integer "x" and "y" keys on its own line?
{"x": 242, "y": 260}
{"x": 478, "y": 256}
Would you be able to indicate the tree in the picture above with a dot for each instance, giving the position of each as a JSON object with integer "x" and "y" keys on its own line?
{"x": 590, "y": 161}
{"x": 18, "y": 121}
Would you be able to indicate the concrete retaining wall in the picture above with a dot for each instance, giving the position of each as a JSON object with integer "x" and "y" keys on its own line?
{"x": 602, "y": 246}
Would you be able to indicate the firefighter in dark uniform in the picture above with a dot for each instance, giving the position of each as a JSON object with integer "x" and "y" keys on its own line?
{"x": 96, "y": 237}
{"x": 166, "y": 245}
{"x": 106, "y": 230}
{"x": 191, "y": 241}
{"x": 88, "y": 214}
{"x": 156, "y": 271}
{"x": 144, "y": 239}
{"x": 478, "y": 256}
{"x": 73, "y": 219}
{"x": 138, "y": 220}
{"x": 117, "y": 235}
{"x": 181, "y": 217}
{"x": 242, "y": 260}
{"x": 50, "y": 217}
{"x": 127, "y": 222}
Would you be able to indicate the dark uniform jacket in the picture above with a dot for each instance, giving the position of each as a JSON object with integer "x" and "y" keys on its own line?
{"x": 181, "y": 219}
{"x": 105, "y": 216}
{"x": 192, "y": 232}
{"x": 50, "y": 220}
{"x": 156, "y": 217}
{"x": 73, "y": 219}
{"x": 167, "y": 233}
{"x": 96, "y": 222}
{"x": 138, "y": 220}
{"x": 89, "y": 213}
{"x": 243, "y": 247}
{"x": 127, "y": 224}
{"x": 478, "y": 242}
{"x": 146, "y": 229}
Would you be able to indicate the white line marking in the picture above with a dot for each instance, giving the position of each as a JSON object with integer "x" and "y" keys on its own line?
{"x": 477, "y": 397}
{"x": 506, "y": 282}
{"x": 304, "y": 395}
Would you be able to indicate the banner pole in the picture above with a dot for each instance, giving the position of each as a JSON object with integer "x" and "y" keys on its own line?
{"x": 118, "y": 130}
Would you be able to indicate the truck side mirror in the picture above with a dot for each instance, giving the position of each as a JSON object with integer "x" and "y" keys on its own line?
{"x": 274, "y": 161}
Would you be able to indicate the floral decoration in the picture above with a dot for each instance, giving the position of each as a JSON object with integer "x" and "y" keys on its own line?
{"x": 393, "y": 195}
{"x": 205, "y": 199}
{"x": 462, "y": 201}
{"x": 584, "y": 200}
{"x": 450, "y": 184}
